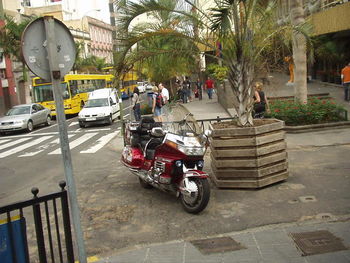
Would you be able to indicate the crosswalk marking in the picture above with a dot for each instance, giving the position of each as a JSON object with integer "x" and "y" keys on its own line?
{"x": 101, "y": 142}
{"x": 23, "y": 146}
{"x": 3, "y": 141}
{"x": 44, "y": 147}
{"x": 6, "y": 145}
{"x": 76, "y": 142}
{"x": 73, "y": 123}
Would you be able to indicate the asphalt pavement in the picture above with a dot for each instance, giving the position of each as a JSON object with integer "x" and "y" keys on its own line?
{"x": 303, "y": 219}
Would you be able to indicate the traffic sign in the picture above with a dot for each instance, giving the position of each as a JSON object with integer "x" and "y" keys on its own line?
{"x": 34, "y": 48}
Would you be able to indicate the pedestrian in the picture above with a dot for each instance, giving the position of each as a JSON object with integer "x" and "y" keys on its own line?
{"x": 199, "y": 91}
{"x": 165, "y": 93}
{"x": 157, "y": 104}
{"x": 261, "y": 104}
{"x": 186, "y": 86}
{"x": 136, "y": 106}
{"x": 209, "y": 86}
{"x": 345, "y": 79}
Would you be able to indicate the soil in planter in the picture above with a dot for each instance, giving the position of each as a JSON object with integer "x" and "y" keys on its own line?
{"x": 233, "y": 124}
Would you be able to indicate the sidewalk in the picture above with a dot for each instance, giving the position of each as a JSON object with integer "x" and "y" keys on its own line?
{"x": 269, "y": 244}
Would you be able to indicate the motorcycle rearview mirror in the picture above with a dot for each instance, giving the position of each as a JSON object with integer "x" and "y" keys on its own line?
{"x": 182, "y": 122}
{"x": 208, "y": 133}
{"x": 157, "y": 132}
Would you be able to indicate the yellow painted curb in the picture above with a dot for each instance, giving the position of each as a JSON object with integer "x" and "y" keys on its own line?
{"x": 90, "y": 259}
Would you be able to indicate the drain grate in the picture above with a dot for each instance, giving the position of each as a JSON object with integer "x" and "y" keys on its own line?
{"x": 318, "y": 242}
{"x": 216, "y": 245}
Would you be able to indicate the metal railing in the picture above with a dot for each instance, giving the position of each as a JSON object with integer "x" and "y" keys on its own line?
{"x": 47, "y": 227}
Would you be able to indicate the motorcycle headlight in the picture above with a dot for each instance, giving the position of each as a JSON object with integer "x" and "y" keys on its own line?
{"x": 200, "y": 164}
{"x": 192, "y": 150}
{"x": 178, "y": 163}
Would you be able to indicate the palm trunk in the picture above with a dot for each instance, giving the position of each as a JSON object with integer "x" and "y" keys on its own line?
{"x": 240, "y": 79}
{"x": 299, "y": 53}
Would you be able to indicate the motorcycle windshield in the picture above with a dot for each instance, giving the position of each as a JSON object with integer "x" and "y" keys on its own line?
{"x": 177, "y": 124}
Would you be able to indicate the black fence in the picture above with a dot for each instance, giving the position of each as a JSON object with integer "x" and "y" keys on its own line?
{"x": 48, "y": 216}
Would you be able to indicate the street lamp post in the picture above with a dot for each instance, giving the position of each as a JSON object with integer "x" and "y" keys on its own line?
{"x": 82, "y": 27}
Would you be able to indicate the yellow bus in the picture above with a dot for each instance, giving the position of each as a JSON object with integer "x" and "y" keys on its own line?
{"x": 75, "y": 90}
{"x": 129, "y": 82}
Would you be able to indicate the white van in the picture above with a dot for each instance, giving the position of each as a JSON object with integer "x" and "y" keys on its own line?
{"x": 101, "y": 107}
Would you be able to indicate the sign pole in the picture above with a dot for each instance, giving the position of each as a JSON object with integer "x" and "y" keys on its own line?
{"x": 52, "y": 51}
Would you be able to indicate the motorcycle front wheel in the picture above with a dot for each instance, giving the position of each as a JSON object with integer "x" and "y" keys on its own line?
{"x": 197, "y": 203}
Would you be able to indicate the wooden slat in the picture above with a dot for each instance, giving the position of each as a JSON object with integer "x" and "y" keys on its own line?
{"x": 254, "y": 173}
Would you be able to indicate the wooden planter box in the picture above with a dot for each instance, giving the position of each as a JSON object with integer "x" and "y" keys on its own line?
{"x": 249, "y": 157}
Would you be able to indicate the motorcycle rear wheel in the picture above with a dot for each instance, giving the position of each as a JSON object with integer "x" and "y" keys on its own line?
{"x": 196, "y": 204}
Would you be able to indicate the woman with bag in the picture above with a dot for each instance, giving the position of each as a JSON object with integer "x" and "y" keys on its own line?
{"x": 261, "y": 103}
{"x": 136, "y": 104}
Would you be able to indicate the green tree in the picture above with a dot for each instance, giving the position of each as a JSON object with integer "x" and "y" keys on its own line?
{"x": 245, "y": 29}
{"x": 10, "y": 40}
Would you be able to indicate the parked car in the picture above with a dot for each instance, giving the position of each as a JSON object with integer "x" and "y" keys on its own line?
{"x": 101, "y": 107}
{"x": 25, "y": 117}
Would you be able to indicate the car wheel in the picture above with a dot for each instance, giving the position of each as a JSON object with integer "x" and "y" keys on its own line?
{"x": 110, "y": 120}
{"x": 82, "y": 124}
{"x": 48, "y": 121}
{"x": 30, "y": 126}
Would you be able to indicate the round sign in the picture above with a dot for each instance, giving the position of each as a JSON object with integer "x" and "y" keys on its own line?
{"x": 34, "y": 48}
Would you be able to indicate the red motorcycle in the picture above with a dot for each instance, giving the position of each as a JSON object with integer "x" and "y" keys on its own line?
{"x": 171, "y": 161}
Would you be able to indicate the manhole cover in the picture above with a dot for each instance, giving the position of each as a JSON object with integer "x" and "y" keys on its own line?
{"x": 318, "y": 242}
{"x": 215, "y": 245}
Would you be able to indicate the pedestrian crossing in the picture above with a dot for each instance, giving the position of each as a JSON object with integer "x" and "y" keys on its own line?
{"x": 48, "y": 143}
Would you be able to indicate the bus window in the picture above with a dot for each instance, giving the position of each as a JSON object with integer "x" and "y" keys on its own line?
{"x": 73, "y": 84}
{"x": 45, "y": 93}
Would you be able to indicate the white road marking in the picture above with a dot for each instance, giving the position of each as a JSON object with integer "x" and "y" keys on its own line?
{"x": 24, "y": 146}
{"x": 6, "y": 145}
{"x": 44, "y": 147}
{"x": 48, "y": 127}
{"x": 73, "y": 123}
{"x": 76, "y": 142}
{"x": 126, "y": 115}
{"x": 3, "y": 141}
{"x": 101, "y": 142}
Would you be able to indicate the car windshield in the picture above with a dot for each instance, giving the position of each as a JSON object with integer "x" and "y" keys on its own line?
{"x": 96, "y": 103}
{"x": 18, "y": 111}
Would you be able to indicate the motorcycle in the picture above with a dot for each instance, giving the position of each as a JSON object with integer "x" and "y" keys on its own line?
{"x": 169, "y": 160}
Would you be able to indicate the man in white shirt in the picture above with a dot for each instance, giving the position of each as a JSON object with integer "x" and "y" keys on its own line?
{"x": 165, "y": 93}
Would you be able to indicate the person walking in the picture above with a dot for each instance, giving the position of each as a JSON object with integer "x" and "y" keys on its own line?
{"x": 199, "y": 89}
{"x": 165, "y": 93}
{"x": 136, "y": 106}
{"x": 261, "y": 104}
{"x": 186, "y": 90}
{"x": 209, "y": 86}
{"x": 345, "y": 79}
{"x": 157, "y": 104}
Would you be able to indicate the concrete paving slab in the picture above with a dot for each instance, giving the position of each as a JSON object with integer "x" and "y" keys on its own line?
{"x": 167, "y": 253}
{"x": 271, "y": 237}
{"x": 329, "y": 257}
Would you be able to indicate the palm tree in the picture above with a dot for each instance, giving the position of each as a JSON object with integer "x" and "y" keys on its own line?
{"x": 299, "y": 52}
{"x": 10, "y": 41}
{"x": 245, "y": 29}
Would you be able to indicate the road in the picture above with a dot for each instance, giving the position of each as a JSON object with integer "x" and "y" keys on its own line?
{"x": 34, "y": 159}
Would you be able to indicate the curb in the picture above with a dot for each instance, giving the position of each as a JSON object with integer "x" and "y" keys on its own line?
{"x": 317, "y": 127}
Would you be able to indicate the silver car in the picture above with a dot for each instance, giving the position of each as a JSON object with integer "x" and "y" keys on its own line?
{"x": 25, "y": 117}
